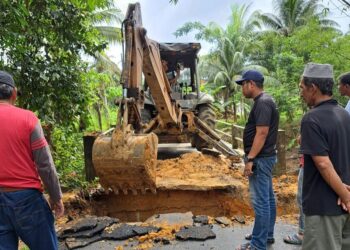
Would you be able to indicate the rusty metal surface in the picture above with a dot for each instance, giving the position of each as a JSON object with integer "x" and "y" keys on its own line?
{"x": 126, "y": 162}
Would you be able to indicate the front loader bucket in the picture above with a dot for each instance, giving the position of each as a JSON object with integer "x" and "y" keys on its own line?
{"x": 126, "y": 162}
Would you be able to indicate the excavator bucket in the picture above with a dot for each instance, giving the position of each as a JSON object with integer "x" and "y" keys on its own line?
{"x": 126, "y": 162}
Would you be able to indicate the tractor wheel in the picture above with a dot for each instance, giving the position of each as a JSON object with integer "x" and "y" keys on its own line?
{"x": 208, "y": 116}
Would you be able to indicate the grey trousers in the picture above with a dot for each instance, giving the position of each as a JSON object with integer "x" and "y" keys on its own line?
{"x": 327, "y": 232}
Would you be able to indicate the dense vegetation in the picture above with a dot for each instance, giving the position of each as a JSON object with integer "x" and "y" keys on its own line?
{"x": 55, "y": 50}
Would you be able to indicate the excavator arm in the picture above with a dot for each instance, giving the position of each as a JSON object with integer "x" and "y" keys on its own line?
{"x": 142, "y": 55}
{"x": 125, "y": 160}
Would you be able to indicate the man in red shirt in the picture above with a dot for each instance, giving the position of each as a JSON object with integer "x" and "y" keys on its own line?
{"x": 25, "y": 162}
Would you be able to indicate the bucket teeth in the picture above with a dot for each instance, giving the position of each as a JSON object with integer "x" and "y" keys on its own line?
{"x": 115, "y": 190}
{"x": 126, "y": 163}
{"x": 125, "y": 189}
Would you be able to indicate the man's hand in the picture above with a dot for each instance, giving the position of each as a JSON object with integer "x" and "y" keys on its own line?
{"x": 248, "y": 169}
{"x": 57, "y": 207}
{"x": 345, "y": 205}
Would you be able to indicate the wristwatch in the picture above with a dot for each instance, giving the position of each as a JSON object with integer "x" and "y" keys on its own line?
{"x": 250, "y": 159}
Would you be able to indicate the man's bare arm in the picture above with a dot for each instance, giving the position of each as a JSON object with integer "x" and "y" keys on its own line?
{"x": 259, "y": 140}
{"x": 258, "y": 143}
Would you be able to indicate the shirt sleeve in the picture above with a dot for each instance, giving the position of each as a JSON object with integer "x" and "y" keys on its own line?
{"x": 44, "y": 163}
{"x": 263, "y": 114}
{"x": 312, "y": 140}
{"x": 347, "y": 107}
{"x": 37, "y": 138}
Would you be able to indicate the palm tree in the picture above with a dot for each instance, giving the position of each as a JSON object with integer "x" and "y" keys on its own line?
{"x": 106, "y": 21}
{"x": 291, "y": 14}
{"x": 229, "y": 56}
{"x": 104, "y": 65}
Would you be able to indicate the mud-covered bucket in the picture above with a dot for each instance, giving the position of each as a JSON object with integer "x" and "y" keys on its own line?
{"x": 126, "y": 162}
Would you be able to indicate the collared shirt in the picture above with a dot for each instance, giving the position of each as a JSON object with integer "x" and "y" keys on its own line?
{"x": 325, "y": 131}
{"x": 264, "y": 113}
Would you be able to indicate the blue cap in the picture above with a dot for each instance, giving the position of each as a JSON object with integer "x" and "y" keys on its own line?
{"x": 251, "y": 75}
{"x": 6, "y": 78}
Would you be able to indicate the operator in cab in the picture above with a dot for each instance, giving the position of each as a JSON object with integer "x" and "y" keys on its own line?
{"x": 172, "y": 76}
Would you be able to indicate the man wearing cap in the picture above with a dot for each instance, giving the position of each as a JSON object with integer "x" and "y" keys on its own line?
{"x": 25, "y": 156}
{"x": 325, "y": 143}
{"x": 344, "y": 88}
{"x": 259, "y": 141}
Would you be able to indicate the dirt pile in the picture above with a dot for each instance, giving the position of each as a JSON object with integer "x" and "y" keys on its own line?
{"x": 203, "y": 184}
{"x": 196, "y": 171}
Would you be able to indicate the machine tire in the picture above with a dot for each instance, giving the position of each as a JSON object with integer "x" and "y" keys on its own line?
{"x": 146, "y": 115}
{"x": 208, "y": 116}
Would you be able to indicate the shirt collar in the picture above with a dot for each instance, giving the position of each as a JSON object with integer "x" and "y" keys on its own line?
{"x": 330, "y": 101}
{"x": 258, "y": 96}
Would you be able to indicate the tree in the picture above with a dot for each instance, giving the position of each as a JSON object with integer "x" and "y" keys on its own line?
{"x": 229, "y": 57}
{"x": 105, "y": 21}
{"x": 40, "y": 44}
{"x": 286, "y": 57}
{"x": 103, "y": 84}
{"x": 291, "y": 14}
{"x": 346, "y": 3}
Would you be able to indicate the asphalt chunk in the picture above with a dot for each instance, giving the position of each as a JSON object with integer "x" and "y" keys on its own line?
{"x": 223, "y": 220}
{"x": 239, "y": 218}
{"x": 102, "y": 223}
{"x": 195, "y": 233}
{"x": 123, "y": 232}
{"x": 143, "y": 230}
{"x": 202, "y": 219}
{"x": 80, "y": 225}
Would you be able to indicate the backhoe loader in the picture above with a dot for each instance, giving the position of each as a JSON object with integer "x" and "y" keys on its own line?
{"x": 153, "y": 111}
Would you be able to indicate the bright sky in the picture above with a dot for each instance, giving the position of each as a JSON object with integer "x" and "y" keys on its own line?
{"x": 162, "y": 19}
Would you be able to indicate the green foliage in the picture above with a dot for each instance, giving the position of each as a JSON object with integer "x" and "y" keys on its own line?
{"x": 40, "y": 44}
{"x": 68, "y": 156}
{"x": 309, "y": 43}
{"x": 104, "y": 91}
{"x": 229, "y": 56}
{"x": 291, "y": 14}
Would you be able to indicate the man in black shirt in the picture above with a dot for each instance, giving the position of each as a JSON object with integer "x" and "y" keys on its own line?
{"x": 259, "y": 140}
{"x": 325, "y": 143}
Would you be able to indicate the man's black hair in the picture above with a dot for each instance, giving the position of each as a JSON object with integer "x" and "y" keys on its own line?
{"x": 345, "y": 78}
{"x": 260, "y": 85}
{"x": 325, "y": 85}
{"x": 5, "y": 91}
